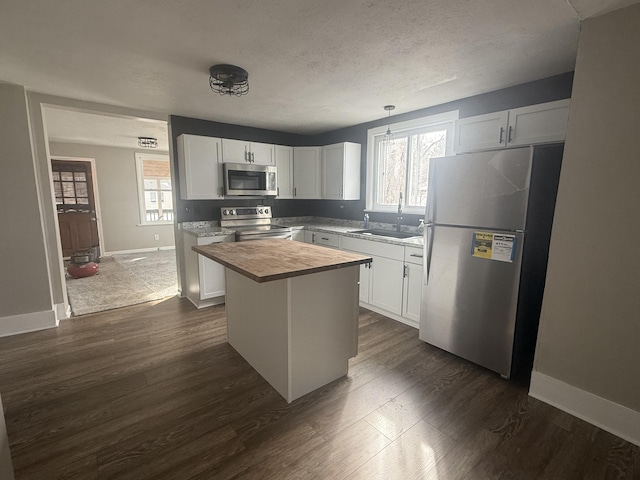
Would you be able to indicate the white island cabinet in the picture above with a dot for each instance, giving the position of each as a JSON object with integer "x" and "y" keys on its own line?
{"x": 301, "y": 326}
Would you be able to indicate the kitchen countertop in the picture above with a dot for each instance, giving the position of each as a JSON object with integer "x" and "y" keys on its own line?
{"x": 317, "y": 226}
{"x": 277, "y": 259}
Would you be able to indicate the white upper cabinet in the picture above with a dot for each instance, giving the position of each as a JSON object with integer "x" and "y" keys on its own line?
{"x": 200, "y": 167}
{"x": 240, "y": 151}
{"x": 307, "y": 172}
{"x": 284, "y": 165}
{"x": 545, "y": 123}
{"x": 341, "y": 171}
{"x": 534, "y": 124}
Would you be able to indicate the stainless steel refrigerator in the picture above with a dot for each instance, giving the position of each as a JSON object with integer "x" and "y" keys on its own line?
{"x": 487, "y": 229}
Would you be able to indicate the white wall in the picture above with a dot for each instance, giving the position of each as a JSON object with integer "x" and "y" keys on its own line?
{"x": 588, "y": 353}
{"x": 118, "y": 190}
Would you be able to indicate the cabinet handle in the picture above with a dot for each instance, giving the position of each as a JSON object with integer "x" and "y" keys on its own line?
{"x": 404, "y": 271}
{"x": 501, "y": 134}
{"x": 278, "y": 190}
{"x": 313, "y": 238}
{"x": 416, "y": 255}
{"x": 294, "y": 191}
{"x": 509, "y": 136}
{"x": 253, "y": 157}
{"x": 341, "y": 193}
{"x": 324, "y": 238}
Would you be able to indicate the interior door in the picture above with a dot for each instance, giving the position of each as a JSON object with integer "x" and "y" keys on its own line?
{"x": 75, "y": 202}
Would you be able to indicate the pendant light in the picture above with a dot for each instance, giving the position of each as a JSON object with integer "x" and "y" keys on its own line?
{"x": 388, "y": 136}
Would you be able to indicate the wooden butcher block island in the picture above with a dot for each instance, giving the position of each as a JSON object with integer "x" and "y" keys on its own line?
{"x": 292, "y": 310}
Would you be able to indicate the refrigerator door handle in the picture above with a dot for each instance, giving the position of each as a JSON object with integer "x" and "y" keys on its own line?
{"x": 428, "y": 247}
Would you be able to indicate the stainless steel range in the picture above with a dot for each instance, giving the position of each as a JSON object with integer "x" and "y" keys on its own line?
{"x": 252, "y": 223}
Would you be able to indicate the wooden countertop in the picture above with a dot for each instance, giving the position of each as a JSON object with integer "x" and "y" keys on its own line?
{"x": 276, "y": 259}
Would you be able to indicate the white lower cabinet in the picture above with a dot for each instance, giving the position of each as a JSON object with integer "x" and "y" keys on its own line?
{"x": 331, "y": 240}
{"x": 412, "y": 284}
{"x": 205, "y": 278}
{"x": 385, "y": 284}
{"x": 381, "y": 282}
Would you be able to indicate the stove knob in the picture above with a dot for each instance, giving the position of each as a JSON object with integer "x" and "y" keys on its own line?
{"x": 260, "y": 211}
{"x": 232, "y": 212}
{"x": 266, "y": 210}
{"x": 225, "y": 212}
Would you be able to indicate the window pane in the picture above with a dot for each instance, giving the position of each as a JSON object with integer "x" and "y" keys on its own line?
{"x": 66, "y": 176}
{"x": 83, "y": 200}
{"x": 70, "y": 201}
{"x": 165, "y": 183}
{"x": 80, "y": 176}
{"x": 150, "y": 183}
{"x": 423, "y": 147}
{"x": 81, "y": 189}
{"x": 68, "y": 189}
{"x": 59, "y": 201}
{"x": 393, "y": 167}
{"x": 57, "y": 188}
{"x": 56, "y": 176}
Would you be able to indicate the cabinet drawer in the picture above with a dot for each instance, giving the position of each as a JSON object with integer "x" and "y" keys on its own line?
{"x": 413, "y": 255}
{"x": 370, "y": 247}
{"x": 214, "y": 239}
{"x": 326, "y": 239}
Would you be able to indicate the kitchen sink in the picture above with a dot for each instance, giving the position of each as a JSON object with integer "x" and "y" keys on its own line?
{"x": 386, "y": 233}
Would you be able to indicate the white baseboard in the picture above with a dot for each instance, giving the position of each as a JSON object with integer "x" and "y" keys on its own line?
{"x": 605, "y": 414}
{"x": 27, "y": 322}
{"x": 138, "y": 250}
{"x": 393, "y": 316}
{"x": 63, "y": 312}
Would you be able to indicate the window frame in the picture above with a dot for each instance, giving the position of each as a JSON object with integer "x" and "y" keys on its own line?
{"x": 445, "y": 120}
{"x": 140, "y": 158}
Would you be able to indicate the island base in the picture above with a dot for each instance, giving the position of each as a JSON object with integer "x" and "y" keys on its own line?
{"x": 299, "y": 332}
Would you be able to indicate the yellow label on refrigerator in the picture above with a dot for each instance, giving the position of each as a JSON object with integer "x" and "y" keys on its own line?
{"x": 482, "y": 244}
{"x": 493, "y": 246}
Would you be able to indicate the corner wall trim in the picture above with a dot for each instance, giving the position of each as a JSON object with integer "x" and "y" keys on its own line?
{"x": 27, "y": 322}
{"x": 605, "y": 414}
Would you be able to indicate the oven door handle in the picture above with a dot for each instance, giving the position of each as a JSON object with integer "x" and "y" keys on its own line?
{"x": 264, "y": 236}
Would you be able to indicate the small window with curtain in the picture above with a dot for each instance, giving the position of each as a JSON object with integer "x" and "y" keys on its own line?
{"x": 154, "y": 189}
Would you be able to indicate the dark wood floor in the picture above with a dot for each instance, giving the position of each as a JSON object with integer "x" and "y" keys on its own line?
{"x": 154, "y": 391}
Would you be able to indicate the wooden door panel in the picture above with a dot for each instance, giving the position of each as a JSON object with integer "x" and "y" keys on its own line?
{"x": 78, "y": 231}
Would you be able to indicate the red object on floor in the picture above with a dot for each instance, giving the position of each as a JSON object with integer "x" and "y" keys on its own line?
{"x": 83, "y": 270}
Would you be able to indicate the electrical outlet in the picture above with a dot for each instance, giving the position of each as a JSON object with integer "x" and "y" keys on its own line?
{"x": 156, "y": 237}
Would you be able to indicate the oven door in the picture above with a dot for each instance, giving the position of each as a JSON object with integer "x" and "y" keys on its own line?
{"x": 263, "y": 236}
{"x": 247, "y": 179}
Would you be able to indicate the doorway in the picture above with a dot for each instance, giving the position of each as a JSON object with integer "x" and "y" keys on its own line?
{"x": 75, "y": 197}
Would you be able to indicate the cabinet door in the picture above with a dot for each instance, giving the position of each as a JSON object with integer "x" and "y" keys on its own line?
{"x": 306, "y": 172}
{"x": 297, "y": 235}
{"x": 333, "y": 171}
{"x": 200, "y": 167}
{"x": 236, "y": 151}
{"x": 386, "y": 284}
{"x": 309, "y": 237}
{"x": 412, "y": 290}
{"x": 543, "y": 123}
{"x": 211, "y": 273}
{"x": 365, "y": 284}
{"x": 483, "y": 132}
{"x": 262, "y": 153}
{"x": 284, "y": 165}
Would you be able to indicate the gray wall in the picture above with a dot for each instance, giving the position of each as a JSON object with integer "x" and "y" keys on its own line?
{"x": 118, "y": 195}
{"x": 540, "y": 91}
{"x": 590, "y": 322}
{"x": 24, "y": 284}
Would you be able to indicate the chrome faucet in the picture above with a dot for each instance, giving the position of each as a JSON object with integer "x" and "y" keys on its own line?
{"x": 399, "y": 217}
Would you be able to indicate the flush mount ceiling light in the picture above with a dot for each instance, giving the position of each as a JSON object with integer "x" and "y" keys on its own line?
{"x": 147, "y": 142}
{"x": 388, "y": 136}
{"x": 229, "y": 80}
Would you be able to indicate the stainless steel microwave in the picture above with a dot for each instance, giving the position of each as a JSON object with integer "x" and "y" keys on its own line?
{"x": 249, "y": 179}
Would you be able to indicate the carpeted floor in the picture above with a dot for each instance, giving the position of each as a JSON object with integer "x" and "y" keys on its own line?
{"x": 124, "y": 280}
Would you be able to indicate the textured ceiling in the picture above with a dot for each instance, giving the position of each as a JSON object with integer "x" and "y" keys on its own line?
{"x": 313, "y": 65}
